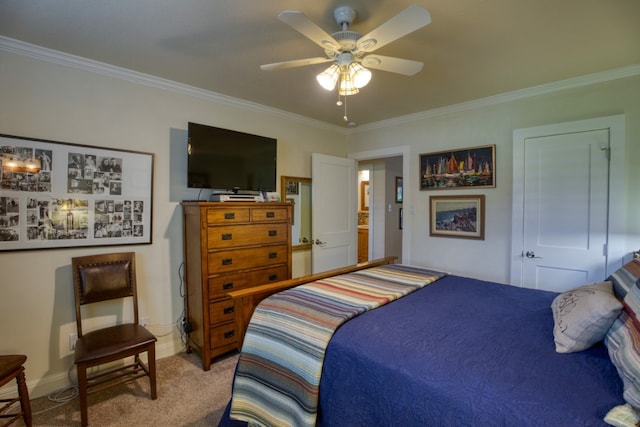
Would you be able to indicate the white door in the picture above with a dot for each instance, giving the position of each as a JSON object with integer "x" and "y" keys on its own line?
{"x": 563, "y": 186}
{"x": 334, "y": 218}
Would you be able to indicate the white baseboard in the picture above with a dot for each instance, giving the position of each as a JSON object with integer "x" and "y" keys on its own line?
{"x": 44, "y": 386}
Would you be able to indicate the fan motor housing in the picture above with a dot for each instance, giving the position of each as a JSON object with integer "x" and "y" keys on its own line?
{"x": 344, "y": 15}
{"x": 347, "y": 39}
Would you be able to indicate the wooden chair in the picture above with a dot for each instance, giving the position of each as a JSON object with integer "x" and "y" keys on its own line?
{"x": 99, "y": 278}
{"x": 11, "y": 366}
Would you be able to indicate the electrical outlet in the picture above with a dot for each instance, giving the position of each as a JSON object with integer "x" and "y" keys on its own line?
{"x": 144, "y": 321}
{"x": 72, "y": 341}
{"x": 186, "y": 326}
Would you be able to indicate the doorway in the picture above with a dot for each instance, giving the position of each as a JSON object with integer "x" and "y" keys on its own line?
{"x": 567, "y": 191}
{"x": 385, "y": 231}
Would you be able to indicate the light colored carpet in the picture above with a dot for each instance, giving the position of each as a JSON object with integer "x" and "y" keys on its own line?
{"x": 187, "y": 396}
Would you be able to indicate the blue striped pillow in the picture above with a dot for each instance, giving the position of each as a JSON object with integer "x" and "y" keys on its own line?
{"x": 622, "y": 340}
{"x": 623, "y": 343}
{"x": 625, "y": 277}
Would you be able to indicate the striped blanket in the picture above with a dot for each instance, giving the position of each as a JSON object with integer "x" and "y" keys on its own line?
{"x": 278, "y": 372}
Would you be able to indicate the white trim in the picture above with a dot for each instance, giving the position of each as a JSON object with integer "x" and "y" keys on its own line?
{"x": 617, "y": 188}
{"x": 49, "y": 383}
{"x": 77, "y": 62}
{"x": 84, "y": 64}
{"x": 409, "y": 209}
{"x": 589, "y": 79}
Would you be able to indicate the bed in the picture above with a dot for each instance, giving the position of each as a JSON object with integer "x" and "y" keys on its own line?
{"x": 466, "y": 352}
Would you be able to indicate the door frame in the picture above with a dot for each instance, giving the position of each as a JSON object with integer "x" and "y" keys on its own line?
{"x": 616, "y": 217}
{"x": 403, "y": 151}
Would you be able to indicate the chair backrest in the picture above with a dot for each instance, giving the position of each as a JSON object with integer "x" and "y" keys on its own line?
{"x": 104, "y": 277}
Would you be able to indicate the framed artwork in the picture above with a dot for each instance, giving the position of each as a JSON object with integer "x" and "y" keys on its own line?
{"x": 469, "y": 167}
{"x": 364, "y": 195}
{"x": 400, "y": 223}
{"x": 292, "y": 187}
{"x": 58, "y": 195}
{"x": 457, "y": 216}
{"x": 398, "y": 189}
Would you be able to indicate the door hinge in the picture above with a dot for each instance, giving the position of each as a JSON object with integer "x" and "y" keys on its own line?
{"x": 604, "y": 249}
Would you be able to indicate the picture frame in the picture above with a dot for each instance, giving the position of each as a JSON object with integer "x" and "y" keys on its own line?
{"x": 63, "y": 195}
{"x": 364, "y": 195}
{"x": 457, "y": 216}
{"x": 398, "y": 189}
{"x": 292, "y": 187}
{"x": 454, "y": 169}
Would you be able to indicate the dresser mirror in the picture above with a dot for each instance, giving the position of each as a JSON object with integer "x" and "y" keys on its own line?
{"x": 297, "y": 191}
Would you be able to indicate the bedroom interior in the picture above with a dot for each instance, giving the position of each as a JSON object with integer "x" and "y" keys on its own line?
{"x": 108, "y": 75}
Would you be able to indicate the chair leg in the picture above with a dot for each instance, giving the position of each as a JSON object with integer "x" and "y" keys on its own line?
{"x": 151, "y": 355}
{"x": 82, "y": 391}
{"x": 25, "y": 404}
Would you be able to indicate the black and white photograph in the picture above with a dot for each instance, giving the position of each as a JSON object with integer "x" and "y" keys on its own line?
{"x": 56, "y": 194}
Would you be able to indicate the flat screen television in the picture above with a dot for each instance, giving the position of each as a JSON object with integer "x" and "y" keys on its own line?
{"x": 228, "y": 160}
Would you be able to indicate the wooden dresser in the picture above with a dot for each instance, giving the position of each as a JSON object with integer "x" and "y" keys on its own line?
{"x": 229, "y": 246}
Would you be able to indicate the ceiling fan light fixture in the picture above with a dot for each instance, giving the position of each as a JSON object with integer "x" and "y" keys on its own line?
{"x": 347, "y": 87}
{"x": 329, "y": 77}
{"x": 359, "y": 75}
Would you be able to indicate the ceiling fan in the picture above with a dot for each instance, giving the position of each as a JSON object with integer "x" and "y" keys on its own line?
{"x": 350, "y": 51}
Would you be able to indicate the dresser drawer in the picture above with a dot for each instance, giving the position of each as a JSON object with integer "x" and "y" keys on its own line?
{"x": 265, "y": 213}
{"x": 242, "y": 258}
{"x": 245, "y": 235}
{"x": 228, "y": 215}
{"x": 221, "y": 311}
{"x": 223, "y": 335}
{"x": 220, "y": 285}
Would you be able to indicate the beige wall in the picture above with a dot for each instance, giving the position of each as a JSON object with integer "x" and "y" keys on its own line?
{"x": 56, "y": 102}
{"x": 493, "y": 122}
{"x": 51, "y": 101}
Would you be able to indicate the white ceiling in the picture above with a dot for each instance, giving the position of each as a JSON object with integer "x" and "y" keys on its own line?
{"x": 472, "y": 48}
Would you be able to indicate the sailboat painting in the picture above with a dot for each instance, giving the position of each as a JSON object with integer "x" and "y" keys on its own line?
{"x": 469, "y": 167}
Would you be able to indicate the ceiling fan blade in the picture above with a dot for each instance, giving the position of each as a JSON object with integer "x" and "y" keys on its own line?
{"x": 403, "y": 23}
{"x": 299, "y": 22}
{"x": 294, "y": 63}
{"x": 392, "y": 65}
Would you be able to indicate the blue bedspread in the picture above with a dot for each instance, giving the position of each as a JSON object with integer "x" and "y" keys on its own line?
{"x": 462, "y": 352}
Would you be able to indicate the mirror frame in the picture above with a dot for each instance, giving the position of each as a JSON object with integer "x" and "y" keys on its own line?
{"x": 283, "y": 195}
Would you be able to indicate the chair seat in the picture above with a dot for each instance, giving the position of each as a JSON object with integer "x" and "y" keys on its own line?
{"x": 111, "y": 341}
{"x": 9, "y": 363}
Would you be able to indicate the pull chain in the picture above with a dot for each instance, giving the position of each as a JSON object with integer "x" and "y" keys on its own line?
{"x": 339, "y": 103}
{"x": 346, "y": 119}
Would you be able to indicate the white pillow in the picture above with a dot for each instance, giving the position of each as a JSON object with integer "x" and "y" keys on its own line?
{"x": 582, "y": 316}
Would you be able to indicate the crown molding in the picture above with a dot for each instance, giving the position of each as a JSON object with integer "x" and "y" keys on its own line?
{"x": 77, "y": 62}
{"x": 575, "y": 82}
{"x": 80, "y": 63}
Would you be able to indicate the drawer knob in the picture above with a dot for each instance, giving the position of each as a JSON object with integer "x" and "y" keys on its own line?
{"x": 227, "y": 286}
{"x": 229, "y": 215}
{"x": 273, "y": 277}
{"x": 273, "y": 255}
{"x": 227, "y": 236}
{"x": 229, "y": 334}
{"x": 271, "y": 214}
{"x": 227, "y": 261}
{"x": 228, "y": 310}
{"x": 273, "y": 233}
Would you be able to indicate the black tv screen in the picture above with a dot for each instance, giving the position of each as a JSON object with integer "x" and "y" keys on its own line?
{"x": 224, "y": 159}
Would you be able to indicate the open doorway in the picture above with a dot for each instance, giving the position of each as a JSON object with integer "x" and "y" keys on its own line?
{"x": 380, "y": 209}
